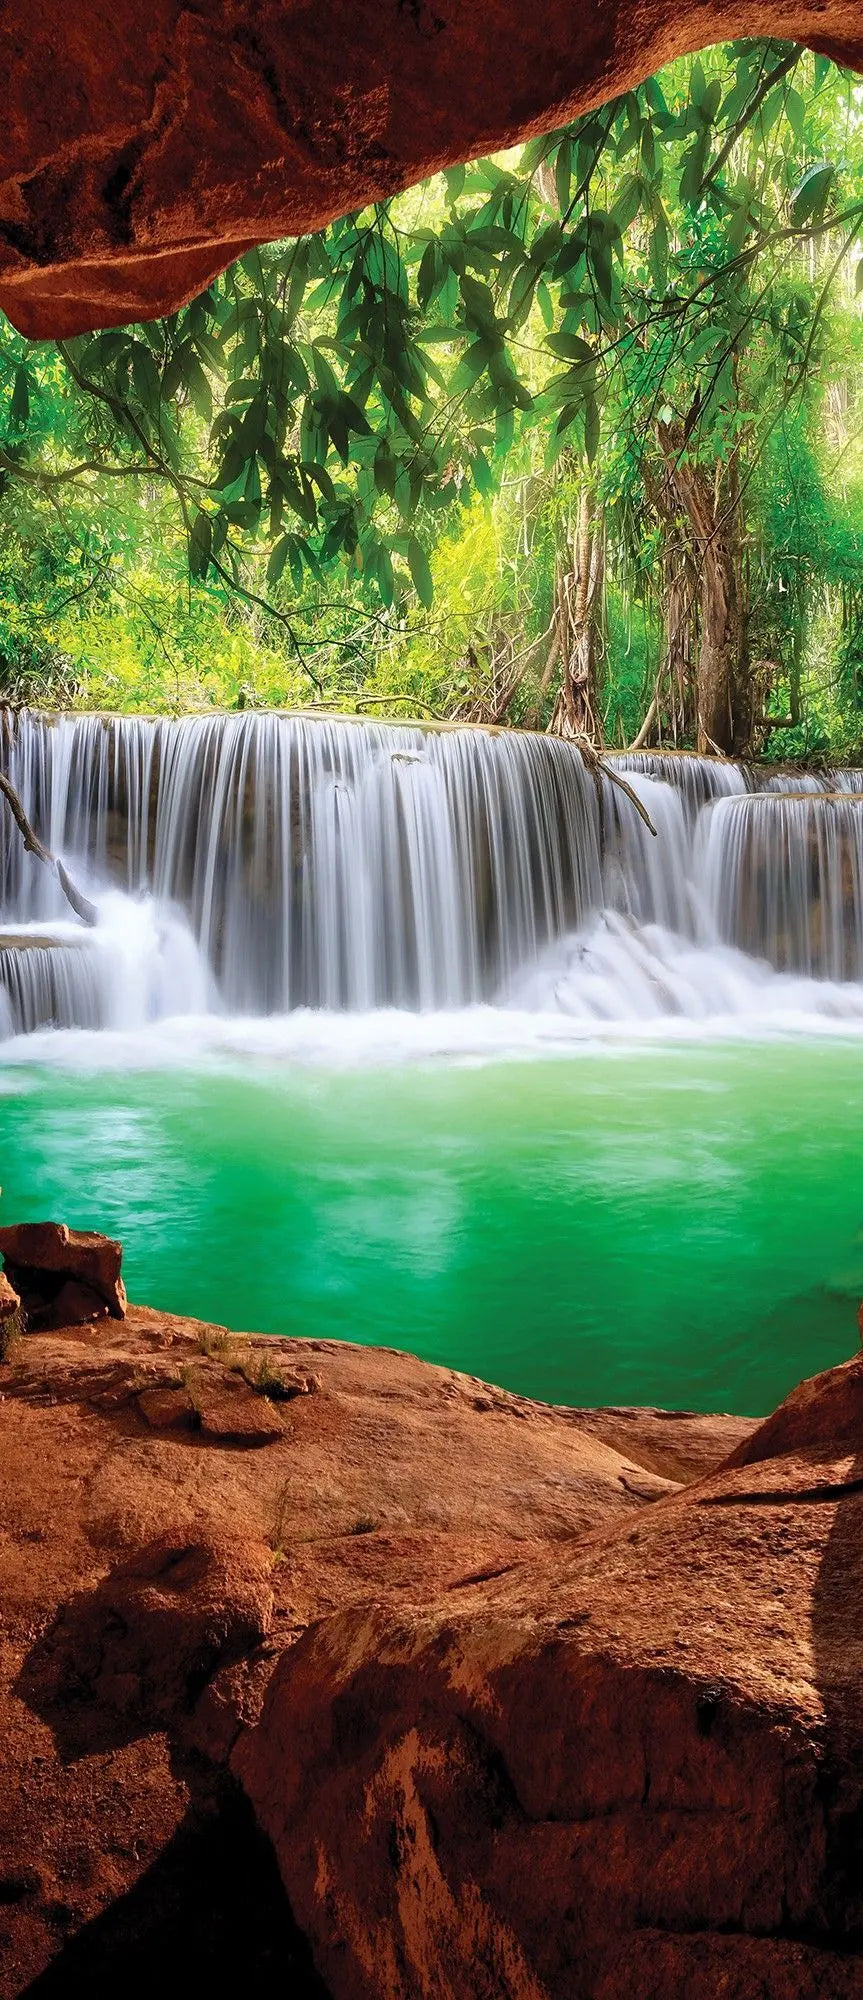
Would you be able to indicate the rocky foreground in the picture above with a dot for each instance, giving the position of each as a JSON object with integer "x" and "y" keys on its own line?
{"x": 515, "y": 1703}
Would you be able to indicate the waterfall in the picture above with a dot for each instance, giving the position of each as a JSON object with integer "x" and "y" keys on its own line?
{"x": 47, "y": 984}
{"x": 783, "y": 879}
{"x": 697, "y": 779}
{"x": 319, "y": 863}
{"x": 264, "y": 864}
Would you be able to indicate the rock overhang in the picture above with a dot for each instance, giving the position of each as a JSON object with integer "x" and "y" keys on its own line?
{"x": 145, "y": 147}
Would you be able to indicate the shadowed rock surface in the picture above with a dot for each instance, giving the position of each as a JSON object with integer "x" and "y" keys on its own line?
{"x": 523, "y": 1717}
{"x": 143, "y": 148}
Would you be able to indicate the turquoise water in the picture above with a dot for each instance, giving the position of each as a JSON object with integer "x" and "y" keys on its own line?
{"x": 672, "y": 1225}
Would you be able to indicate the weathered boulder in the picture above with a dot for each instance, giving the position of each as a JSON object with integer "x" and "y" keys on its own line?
{"x": 143, "y": 147}
{"x": 65, "y": 1277}
{"x": 632, "y": 1766}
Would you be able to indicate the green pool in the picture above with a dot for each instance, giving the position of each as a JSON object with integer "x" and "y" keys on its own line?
{"x": 680, "y": 1225}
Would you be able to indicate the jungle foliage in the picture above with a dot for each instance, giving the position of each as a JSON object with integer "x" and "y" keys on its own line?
{"x": 564, "y": 438}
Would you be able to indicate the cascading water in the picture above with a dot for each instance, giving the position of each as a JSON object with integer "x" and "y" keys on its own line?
{"x": 783, "y": 877}
{"x": 46, "y": 978}
{"x": 267, "y": 865}
{"x": 322, "y": 864}
{"x": 697, "y": 779}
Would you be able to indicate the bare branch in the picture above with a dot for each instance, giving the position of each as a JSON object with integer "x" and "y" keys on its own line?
{"x": 33, "y": 845}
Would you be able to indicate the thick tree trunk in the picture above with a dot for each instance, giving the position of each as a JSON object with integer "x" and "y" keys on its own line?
{"x": 711, "y": 507}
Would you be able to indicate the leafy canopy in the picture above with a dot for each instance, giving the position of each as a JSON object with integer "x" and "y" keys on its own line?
{"x": 320, "y": 415}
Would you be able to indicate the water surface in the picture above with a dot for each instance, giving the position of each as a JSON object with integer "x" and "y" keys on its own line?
{"x": 671, "y": 1224}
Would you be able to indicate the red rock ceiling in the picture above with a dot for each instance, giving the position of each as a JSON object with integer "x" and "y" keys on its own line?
{"x": 146, "y": 143}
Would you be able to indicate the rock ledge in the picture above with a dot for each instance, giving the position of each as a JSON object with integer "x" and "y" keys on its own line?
{"x": 523, "y": 1715}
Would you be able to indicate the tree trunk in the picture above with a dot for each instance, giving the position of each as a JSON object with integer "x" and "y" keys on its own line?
{"x": 580, "y": 587}
{"x": 712, "y": 510}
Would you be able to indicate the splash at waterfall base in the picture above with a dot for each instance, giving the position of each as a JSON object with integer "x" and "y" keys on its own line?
{"x": 521, "y": 1702}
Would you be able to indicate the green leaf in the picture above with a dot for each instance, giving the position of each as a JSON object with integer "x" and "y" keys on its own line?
{"x": 810, "y": 196}
{"x": 697, "y": 83}
{"x": 795, "y": 112}
{"x": 19, "y": 410}
{"x": 570, "y": 347}
{"x": 694, "y": 165}
{"x": 545, "y": 305}
{"x": 704, "y": 343}
{"x": 546, "y": 245}
{"x": 628, "y": 201}
{"x": 472, "y": 365}
{"x": 711, "y": 101}
{"x": 324, "y": 376}
{"x": 385, "y": 469}
{"x": 421, "y": 575}
{"x": 320, "y": 476}
{"x": 252, "y": 486}
{"x": 521, "y": 294}
{"x": 277, "y": 560}
{"x": 200, "y": 544}
{"x": 385, "y": 578}
{"x": 295, "y": 561}
{"x": 504, "y": 427}
{"x": 483, "y": 477}
{"x": 354, "y": 417}
{"x": 199, "y": 389}
{"x": 478, "y": 303}
{"x": 591, "y": 428}
{"x": 145, "y": 376}
{"x": 563, "y": 174}
{"x": 427, "y": 276}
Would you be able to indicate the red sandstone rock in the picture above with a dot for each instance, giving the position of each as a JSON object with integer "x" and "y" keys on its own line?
{"x": 232, "y": 1413}
{"x": 675, "y": 1444}
{"x": 630, "y": 1768}
{"x": 389, "y": 1485}
{"x": 154, "y": 1631}
{"x": 167, "y": 1409}
{"x": 515, "y": 1733}
{"x": 270, "y": 1378}
{"x": 827, "y": 1410}
{"x": 143, "y": 147}
{"x": 66, "y": 1277}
